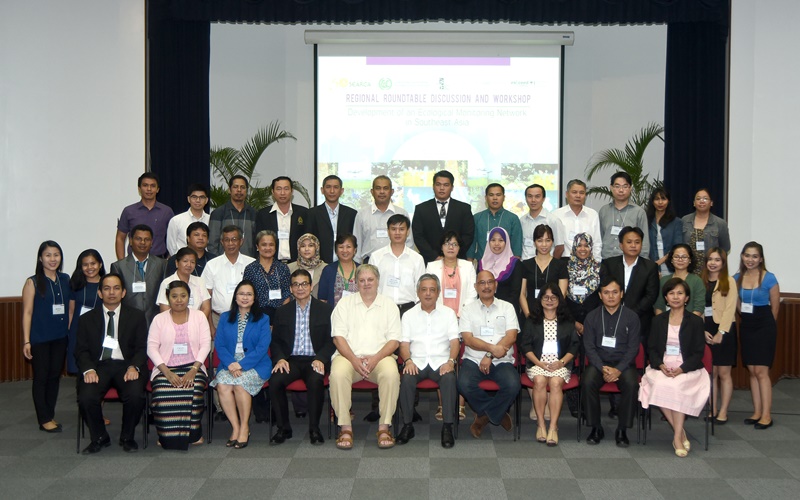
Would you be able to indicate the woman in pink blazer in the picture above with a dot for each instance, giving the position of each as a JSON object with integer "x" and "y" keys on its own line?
{"x": 178, "y": 344}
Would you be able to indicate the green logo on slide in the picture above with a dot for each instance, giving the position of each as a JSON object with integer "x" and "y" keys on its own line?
{"x": 385, "y": 83}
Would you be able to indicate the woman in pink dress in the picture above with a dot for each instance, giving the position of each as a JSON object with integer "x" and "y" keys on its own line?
{"x": 676, "y": 381}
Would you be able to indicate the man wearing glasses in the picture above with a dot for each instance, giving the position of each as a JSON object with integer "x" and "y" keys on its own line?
{"x": 301, "y": 348}
{"x": 176, "y": 230}
{"x": 621, "y": 213}
{"x": 489, "y": 328}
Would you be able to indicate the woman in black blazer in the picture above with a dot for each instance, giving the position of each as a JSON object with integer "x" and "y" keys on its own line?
{"x": 549, "y": 343}
{"x": 676, "y": 381}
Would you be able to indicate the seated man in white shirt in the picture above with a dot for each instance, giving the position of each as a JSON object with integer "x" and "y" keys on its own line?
{"x": 366, "y": 331}
{"x": 489, "y": 327}
{"x": 429, "y": 348}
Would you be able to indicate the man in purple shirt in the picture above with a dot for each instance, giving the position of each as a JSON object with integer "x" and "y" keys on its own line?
{"x": 147, "y": 211}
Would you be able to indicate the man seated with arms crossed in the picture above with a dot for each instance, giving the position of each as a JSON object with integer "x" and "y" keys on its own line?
{"x": 611, "y": 342}
{"x": 429, "y": 348}
{"x": 111, "y": 351}
{"x": 197, "y": 240}
{"x": 301, "y": 348}
{"x": 489, "y": 327}
{"x": 366, "y": 331}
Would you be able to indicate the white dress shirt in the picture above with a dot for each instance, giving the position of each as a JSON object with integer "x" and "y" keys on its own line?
{"x": 429, "y": 335}
{"x": 587, "y": 221}
{"x": 221, "y": 278}
{"x": 529, "y": 225}
{"x": 197, "y": 285}
{"x": 284, "y": 229}
{"x": 176, "y": 230}
{"x": 489, "y": 324}
{"x": 399, "y": 275}
{"x": 371, "y": 232}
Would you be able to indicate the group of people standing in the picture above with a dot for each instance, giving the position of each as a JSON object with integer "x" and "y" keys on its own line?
{"x": 288, "y": 293}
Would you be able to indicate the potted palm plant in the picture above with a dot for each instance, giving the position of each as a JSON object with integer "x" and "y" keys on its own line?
{"x": 629, "y": 160}
{"x": 227, "y": 162}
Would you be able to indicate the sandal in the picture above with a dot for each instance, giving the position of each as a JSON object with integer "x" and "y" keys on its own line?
{"x": 438, "y": 415}
{"x": 541, "y": 435}
{"x": 345, "y": 440}
{"x": 686, "y": 443}
{"x": 384, "y": 436}
{"x": 462, "y": 412}
{"x": 552, "y": 438}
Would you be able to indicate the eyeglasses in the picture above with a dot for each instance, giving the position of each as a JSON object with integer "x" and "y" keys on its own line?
{"x": 230, "y": 240}
{"x": 303, "y": 284}
{"x": 621, "y": 186}
{"x": 549, "y": 298}
{"x": 198, "y": 198}
{"x": 487, "y": 282}
{"x": 702, "y": 198}
{"x": 245, "y": 294}
{"x": 451, "y": 244}
{"x": 680, "y": 257}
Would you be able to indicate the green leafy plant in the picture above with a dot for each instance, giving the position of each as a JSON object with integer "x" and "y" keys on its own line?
{"x": 227, "y": 162}
{"x": 629, "y": 160}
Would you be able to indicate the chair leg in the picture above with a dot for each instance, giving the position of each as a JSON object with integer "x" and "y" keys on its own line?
{"x": 78, "y": 430}
{"x": 580, "y": 412}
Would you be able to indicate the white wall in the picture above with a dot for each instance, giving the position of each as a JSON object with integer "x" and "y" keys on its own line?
{"x": 614, "y": 85}
{"x": 764, "y": 130}
{"x": 71, "y": 127}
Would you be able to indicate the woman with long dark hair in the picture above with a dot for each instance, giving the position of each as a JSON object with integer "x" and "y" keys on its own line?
{"x": 663, "y": 226}
{"x": 45, "y": 329}
{"x": 84, "y": 283}
{"x": 759, "y": 303}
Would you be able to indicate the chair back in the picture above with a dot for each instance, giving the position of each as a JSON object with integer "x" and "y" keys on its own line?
{"x": 708, "y": 359}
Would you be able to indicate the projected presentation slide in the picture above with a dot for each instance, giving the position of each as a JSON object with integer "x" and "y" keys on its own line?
{"x": 485, "y": 119}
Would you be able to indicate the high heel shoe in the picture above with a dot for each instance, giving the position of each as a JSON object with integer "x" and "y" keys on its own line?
{"x": 541, "y": 435}
{"x": 231, "y": 443}
{"x": 680, "y": 453}
{"x": 686, "y": 443}
{"x": 552, "y": 438}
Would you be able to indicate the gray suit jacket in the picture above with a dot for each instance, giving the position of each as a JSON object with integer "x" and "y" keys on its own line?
{"x": 154, "y": 274}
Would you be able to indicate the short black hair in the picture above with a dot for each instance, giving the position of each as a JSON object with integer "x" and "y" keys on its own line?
{"x": 624, "y": 175}
{"x": 177, "y": 284}
{"x": 331, "y": 178}
{"x": 111, "y": 275}
{"x": 673, "y": 283}
{"x": 194, "y": 226}
{"x": 230, "y": 228}
{"x": 141, "y": 227}
{"x": 532, "y": 186}
{"x": 447, "y": 236}
{"x": 607, "y": 280}
{"x": 494, "y": 185}
{"x": 197, "y": 187}
{"x": 398, "y": 219}
{"x": 301, "y": 272}
{"x": 183, "y": 252}
{"x": 238, "y": 176}
{"x": 446, "y": 174}
{"x": 627, "y": 229}
{"x": 282, "y": 178}
{"x": 148, "y": 175}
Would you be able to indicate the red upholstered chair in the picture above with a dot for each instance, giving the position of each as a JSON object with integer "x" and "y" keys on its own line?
{"x": 527, "y": 383}
{"x": 112, "y": 396}
{"x": 611, "y": 387}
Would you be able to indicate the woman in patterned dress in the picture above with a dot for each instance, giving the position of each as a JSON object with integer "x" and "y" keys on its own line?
{"x": 242, "y": 345}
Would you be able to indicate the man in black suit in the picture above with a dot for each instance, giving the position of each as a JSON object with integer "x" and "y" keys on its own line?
{"x": 433, "y": 217}
{"x": 330, "y": 218}
{"x": 141, "y": 272}
{"x": 285, "y": 218}
{"x": 639, "y": 277}
{"x": 111, "y": 351}
{"x": 300, "y": 350}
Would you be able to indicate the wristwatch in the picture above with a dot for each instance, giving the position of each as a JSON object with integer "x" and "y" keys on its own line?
{"x": 452, "y": 360}
{"x": 722, "y": 332}
{"x": 489, "y": 355}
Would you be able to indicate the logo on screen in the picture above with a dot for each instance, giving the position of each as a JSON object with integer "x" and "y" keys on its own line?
{"x": 385, "y": 83}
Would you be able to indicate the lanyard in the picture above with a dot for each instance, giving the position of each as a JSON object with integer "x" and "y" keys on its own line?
{"x": 536, "y": 274}
{"x": 347, "y": 281}
{"x": 615, "y": 326}
{"x": 84, "y": 299}
{"x": 58, "y": 284}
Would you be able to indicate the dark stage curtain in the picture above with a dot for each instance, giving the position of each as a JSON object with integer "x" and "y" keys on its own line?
{"x": 694, "y": 114}
{"x": 179, "y": 46}
{"x": 178, "y": 102}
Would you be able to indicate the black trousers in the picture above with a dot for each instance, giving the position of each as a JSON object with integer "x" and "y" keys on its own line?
{"x": 628, "y": 384}
{"x": 47, "y": 363}
{"x": 299, "y": 368}
{"x": 90, "y": 396}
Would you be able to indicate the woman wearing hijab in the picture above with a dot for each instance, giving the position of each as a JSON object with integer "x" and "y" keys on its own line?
{"x": 308, "y": 258}
{"x": 500, "y": 260}
{"x": 584, "y": 280}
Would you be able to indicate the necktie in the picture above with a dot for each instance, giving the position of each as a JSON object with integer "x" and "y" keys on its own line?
{"x": 109, "y": 333}
{"x": 140, "y": 265}
{"x": 442, "y": 213}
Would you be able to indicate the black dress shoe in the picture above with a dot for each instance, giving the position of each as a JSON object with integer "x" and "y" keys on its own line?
{"x": 128, "y": 445}
{"x": 281, "y": 436}
{"x": 417, "y": 417}
{"x": 761, "y": 427}
{"x": 300, "y": 414}
{"x": 621, "y": 438}
{"x": 372, "y": 416}
{"x": 447, "y": 436}
{"x": 595, "y": 436}
{"x": 612, "y": 413}
{"x": 96, "y": 446}
{"x": 406, "y": 434}
{"x": 316, "y": 437}
{"x": 54, "y": 430}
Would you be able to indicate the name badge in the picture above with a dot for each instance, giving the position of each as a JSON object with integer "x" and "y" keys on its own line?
{"x": 747, "y": 308}
{"x": 579, "y": 290}
{"x": 487, "y": 235}
{"x": 487, "y": 331}
{"x": 382, "y": 233}
{"x": 615, "y": 230}
{"x": 673, "y": 350}
{"x": 550, "y": 347}
{"x": 660, "y": 245}
{"x": 283, "y": 235}
{"x": 536, "y": 294}
{"x": 85, "y": 310}
{"x": 232, "y": 287}
{"x": 528, "y": 242}
{"x": 274, "y": 294}
{"x": 610, "y": 342}
{"x": 58, "y": 309}
{"x": 139, "y": 287}
{"x": 450, "y": 293}
{"x": 346, "y": 293}
{"x": 239, "y": 348}
{"x": 700, "y": 246}
{"x": 180, "y": 348}
{"x": 393, "y": 281}
{"x": 110, "y": 342}
{"x": 709, "y": 312}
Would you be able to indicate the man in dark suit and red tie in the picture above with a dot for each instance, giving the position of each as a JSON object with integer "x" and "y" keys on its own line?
{"x": 111, "y": 351}
{"x": 443, "y": 213}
